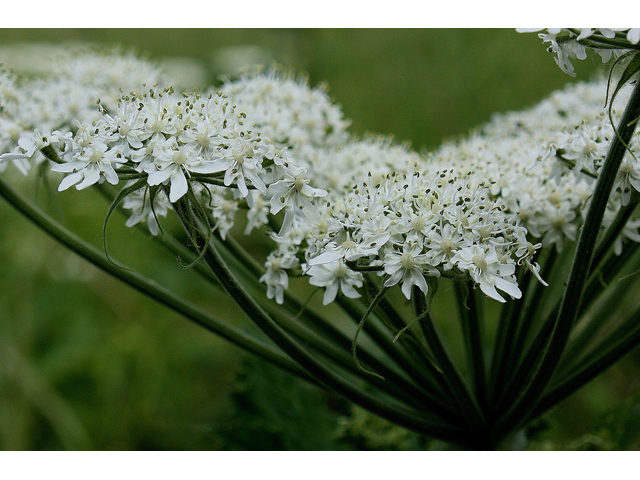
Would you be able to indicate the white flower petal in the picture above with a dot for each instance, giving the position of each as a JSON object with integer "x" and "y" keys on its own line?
{"x": 179, "y": 186}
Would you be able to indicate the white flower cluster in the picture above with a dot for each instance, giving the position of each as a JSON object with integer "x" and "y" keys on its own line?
{"x": 543, "y": 162}
{"x": 517, "y": 183}
{"x": 32, "y": 107}
{"x": 173, "y": 140}
{"x": 287, "y": 111}
{"x": 415, "y": 226}
{"x": 353, "y": 210}
{"x": 571, "y": 43}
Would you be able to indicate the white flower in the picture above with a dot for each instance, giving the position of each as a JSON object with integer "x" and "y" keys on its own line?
{"x": 628, "y": 178}
{"x": 557, "y": 223}
{"x": 294, "y": 193}
{"x": 142, "y": 211}
{"x": 443, "y": 243}
{"x": 586, "y": 149}
{"x": 630, "y": 232}
{"x": 32, "y": 143}
{"x": 414, "y": 220}
{"x": 350, "y": 250}
{"x": 335, "y": 276}
{"x": 240, "y": 162}
{"x": 128, "y": 125}
{"x": 258, "y": 213}
{"x": 158, "y": 123}
{"x": 203, "y": 137}
{"x": 90, "y": 166}
{"x": 565, "y": 49}
{"x": 276, "y": 277}
{"x": 487, "y": 271}
{"x": 168, "y": 166}
{"x": 223, "y": 211}
{"x": 566, "y": 44}
{"x": 288, "y": 111}
{"x": 408, "y": 267}
{"x": 172, "y": 162}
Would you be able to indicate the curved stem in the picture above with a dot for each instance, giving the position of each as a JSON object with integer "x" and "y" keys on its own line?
{"x": 394, "y": 383}
{"x": 429, "y": 379}
{"x": 427, "y": 393}
{"x": 416, "y": 349}
{"x": 147, "y": 286}
{"x": 396, "y": 413}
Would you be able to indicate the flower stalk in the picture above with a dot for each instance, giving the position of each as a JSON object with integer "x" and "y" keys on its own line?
{"x": 578, "y": 275}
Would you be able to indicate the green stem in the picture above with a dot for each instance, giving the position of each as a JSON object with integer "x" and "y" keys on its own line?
{"x": 431, "y": 396}
{"x": 463, "y": 397}
{"x": 504, "y": 405}
{"x": 580, "y": 267}
{"x": 418, "y": 421}
{"x": 146, "y": 286}
{"x": 507, "y": 328}
{"x": 609, "y": 43}
{"x": 393, "y": 384}
{"x": 237, "y": 252}
{"x": 620, "y": 343}
{"x": 600, "y": 279}
{"x": 472, "y": 334}
{"x": 416, "y": 349}
{"x": 384, "y": 341}
{"x": 523, "y": 321}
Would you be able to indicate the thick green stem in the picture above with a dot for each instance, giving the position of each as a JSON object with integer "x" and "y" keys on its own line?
{"x": 615, "y": 347}
{"x": 580, "y": 268}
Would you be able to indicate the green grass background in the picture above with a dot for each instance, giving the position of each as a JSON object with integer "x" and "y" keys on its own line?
{"x": 86, "y": 363}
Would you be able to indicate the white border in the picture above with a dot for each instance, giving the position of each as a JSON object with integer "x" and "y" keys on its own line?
{"x": 300, "y": 14}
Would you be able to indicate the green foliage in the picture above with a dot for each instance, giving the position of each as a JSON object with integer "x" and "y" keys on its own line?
{"x": 272, "y": 410}
{"x": 364, "y": 431}
{"x": 619, "y": 427}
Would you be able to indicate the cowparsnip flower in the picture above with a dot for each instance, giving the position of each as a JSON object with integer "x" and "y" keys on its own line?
{"x": 93, "y": 164}
{"x": 487, "y": 271}
{"x": 334, "y": 277}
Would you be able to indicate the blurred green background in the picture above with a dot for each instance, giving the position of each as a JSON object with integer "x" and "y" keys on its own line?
{"x": 86, "y": 363}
